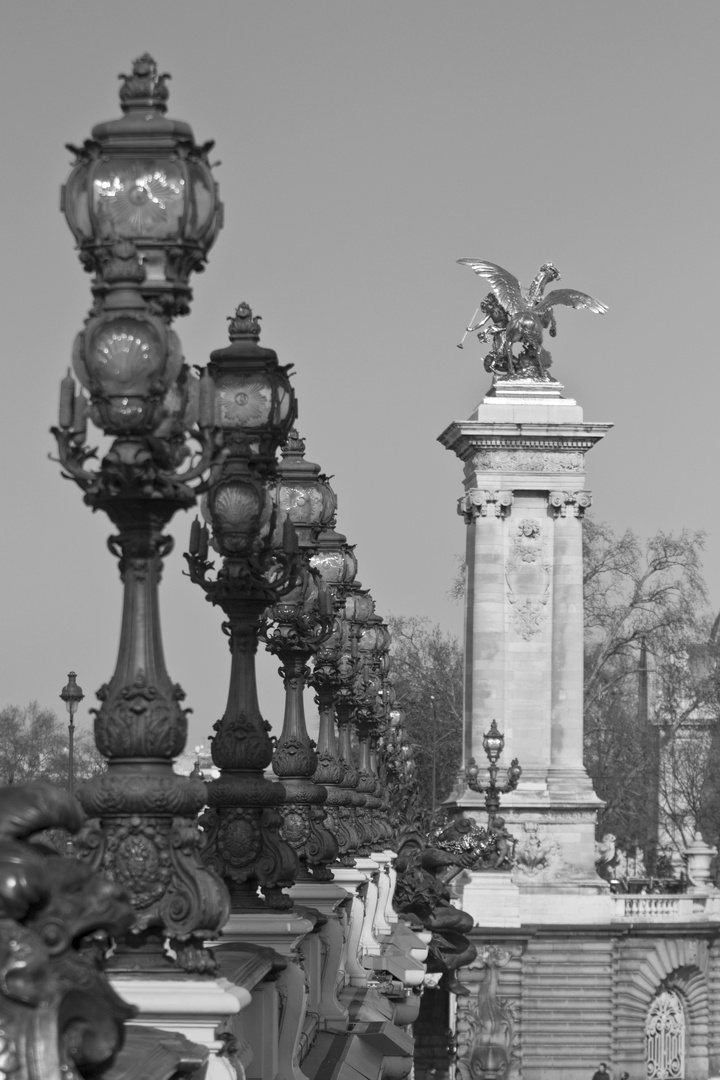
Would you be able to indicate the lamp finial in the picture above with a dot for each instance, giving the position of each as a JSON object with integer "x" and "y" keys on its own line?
{"x": 144, "y": 89}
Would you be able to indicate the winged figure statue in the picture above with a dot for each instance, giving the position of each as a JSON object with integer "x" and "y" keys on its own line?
{"x": 515, "y": 316}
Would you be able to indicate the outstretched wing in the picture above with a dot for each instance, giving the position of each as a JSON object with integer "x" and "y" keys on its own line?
{"x": 571, "y": 298}
{"x": 504, "y": 285}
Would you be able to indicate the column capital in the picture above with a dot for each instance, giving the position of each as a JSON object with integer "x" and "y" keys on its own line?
{"x": 559, "y": 501}
{"x": 477, "y": 502}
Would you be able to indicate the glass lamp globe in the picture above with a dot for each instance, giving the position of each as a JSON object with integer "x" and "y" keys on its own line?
{"x": 127, "y": 362}
{"x": 240, "y": 512}
{"x": 493, "y": 742}
{"x": 303, "y": 494}
{"x": 142, "y": 179}
{"x": 255, "y": 405}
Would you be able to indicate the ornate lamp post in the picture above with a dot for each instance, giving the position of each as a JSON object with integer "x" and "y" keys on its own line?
{"x": 358, "y": 609}
{"x": 294, "y": 627}
{"x": 333, "y": 677}
{"x": 143, "y": 207}
{"x": 72, "y": 695}
{"x": 369, "y": 719}
{"x": 255, "y": 409}
{"x": 493, "y": 743}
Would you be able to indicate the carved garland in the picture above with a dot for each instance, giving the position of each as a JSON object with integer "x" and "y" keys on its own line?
{"x": 528, "y": 578}
{"x": 529, "y": 460}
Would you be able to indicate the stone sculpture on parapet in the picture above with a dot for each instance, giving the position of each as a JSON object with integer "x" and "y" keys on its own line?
{"x": 475, "y": 847}
{"x": 486, "y": 1026}
{"x": 424, "y": 871}
{"x": 426, "y": 864}
{"x": 59, "y": 1013}
{"x": 59, "y": 1016}
{"x": 514, "y": 316}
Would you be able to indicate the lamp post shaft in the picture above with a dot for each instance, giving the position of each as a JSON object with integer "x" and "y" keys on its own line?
{"x": 72, "y": 695}
{"x": 71, "y": 759}
{"x": 434, "y": 755}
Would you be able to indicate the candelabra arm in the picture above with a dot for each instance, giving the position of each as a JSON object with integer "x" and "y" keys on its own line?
{"x": 72, "y": 456}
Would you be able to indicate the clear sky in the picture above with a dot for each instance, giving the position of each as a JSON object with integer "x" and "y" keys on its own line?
{"x": 365, "y": 147}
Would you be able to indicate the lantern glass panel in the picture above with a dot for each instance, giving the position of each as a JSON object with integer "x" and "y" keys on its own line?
{"x": 202, "y": 203}
{"x": 237, "y": 506}
{"x": 303, "y": 503}
{"x": 243, "y": 401}
{"x": 77, "y": 204}
{"x": 284, "y": 402}
{"x": 493, "y": 744}
{"x": 336, "y": 566}
{"x": 135, "y": 200}
{"x": 125, "y": 356}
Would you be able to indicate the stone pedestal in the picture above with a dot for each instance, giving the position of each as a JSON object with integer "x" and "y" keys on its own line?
{"x": 274, "y": 1021}
{"x": 523, "y": 450}
{"x": 491, "y": 897}
{"x": 195, "y": 1008}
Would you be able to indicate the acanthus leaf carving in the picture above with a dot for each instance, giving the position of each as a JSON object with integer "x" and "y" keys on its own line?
{"x": 140, "y": 720}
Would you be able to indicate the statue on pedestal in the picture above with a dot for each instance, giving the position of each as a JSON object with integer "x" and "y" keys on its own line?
{"x": 606, "y": 857}
{"x": 426, "y": 864}
{"x": 476, "y": 848}
{"x": 422, "y": 890}
{"x": 514, "y": 316}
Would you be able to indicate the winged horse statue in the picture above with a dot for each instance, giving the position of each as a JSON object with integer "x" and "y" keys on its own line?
{"x": 516, "y": 316}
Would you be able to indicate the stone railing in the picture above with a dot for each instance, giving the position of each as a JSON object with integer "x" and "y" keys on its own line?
{"x": 338, "y": 977}
{"x": 660, "y": 908}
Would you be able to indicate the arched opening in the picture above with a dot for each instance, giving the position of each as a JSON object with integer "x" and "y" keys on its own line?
{"x": 665, "y": 1037}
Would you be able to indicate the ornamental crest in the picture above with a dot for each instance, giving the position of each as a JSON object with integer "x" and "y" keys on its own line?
{"x": 528, "y": 578}
{"x": 536, "y": 855}
{"x": 488, "y": 1026}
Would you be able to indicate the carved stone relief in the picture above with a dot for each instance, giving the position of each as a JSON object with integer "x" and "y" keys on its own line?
{"x": 488, "y": 1025}
{"x": 537, "y": 857}
{"x": 528, "y": 574}
{"x": 479, "y": 503}
{"x": 529, "y": 460}
{"x": 579, "y": 501}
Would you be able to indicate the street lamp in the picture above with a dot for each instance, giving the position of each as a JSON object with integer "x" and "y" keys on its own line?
{"x": 255, "y": 409}
{"x": 493, "y": 743}
{"x": 143, "y": 207}
{"x": 369, "y": 716}
{"x": 333, "y": 676}
{"x": 72, "y": 695}
{"x": 294, "y": 627}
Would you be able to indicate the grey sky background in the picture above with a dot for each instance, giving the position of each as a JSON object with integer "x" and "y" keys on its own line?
{"x": 365, "y": 147}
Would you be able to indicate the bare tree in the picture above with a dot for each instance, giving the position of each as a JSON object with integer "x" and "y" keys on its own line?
{"x": 648, "y": 679}
{"x": 426, "y": 668}
{"x": 34, "y": 746}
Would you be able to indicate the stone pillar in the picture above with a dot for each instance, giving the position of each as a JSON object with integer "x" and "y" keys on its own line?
{"x": 523, "y": 451}
{"x": 484, "y": 512}
{"x": 567, "y": 776}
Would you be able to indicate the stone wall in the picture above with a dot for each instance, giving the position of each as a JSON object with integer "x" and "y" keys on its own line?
{"x": 576, "y": 996}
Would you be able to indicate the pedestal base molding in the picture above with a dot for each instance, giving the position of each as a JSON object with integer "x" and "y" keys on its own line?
{"x": 491, "y": 897}
{"x": 192, "y": 1007}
